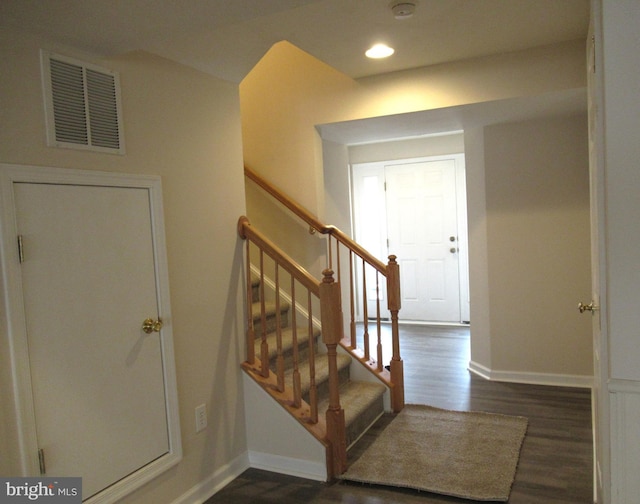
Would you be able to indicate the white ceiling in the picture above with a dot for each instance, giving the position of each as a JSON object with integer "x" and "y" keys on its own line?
{"x": 227, "y": 38}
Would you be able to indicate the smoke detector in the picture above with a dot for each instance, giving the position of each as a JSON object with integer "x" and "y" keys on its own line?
{"x": 403, "y": 10}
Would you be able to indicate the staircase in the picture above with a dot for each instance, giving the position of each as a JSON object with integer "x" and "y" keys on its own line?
{"x": 362, "y": 401}
{"x": 304, "y": 345}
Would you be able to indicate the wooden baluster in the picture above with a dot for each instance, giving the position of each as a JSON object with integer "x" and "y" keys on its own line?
{"x": 280, "y": 357}
{"x": 352, "y": 298}
{"x": 251, "y": 335}
{"x": 396, "y": 365}
{"x": 264, "y": 346}
{"x": 313, "y": 389}
{"x": 338, "y": 279}
{"x": 378, "y": 322}
{"x": 365, "y": 312}
{"x": 297, "y": 388}
{"x": 329, "y": 252}
{"x": 331, "y": 317}
{"x": 338, "y": 269}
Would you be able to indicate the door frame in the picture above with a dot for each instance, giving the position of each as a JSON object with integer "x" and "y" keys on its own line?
{"x": 15, "y": 318}
{"x": 461, "y": 224}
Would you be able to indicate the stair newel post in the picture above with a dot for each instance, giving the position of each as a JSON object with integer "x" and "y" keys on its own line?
{"x": 331, "y": 319}
{"x": 396, "y": 365}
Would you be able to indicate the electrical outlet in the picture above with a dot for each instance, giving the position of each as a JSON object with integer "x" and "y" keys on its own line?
{"x": 201, "y": 417}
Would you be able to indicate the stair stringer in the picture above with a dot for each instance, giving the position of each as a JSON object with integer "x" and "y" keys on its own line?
{"x": 278, "y": 442}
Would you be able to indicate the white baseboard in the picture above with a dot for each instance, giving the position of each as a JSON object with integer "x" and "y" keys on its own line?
{"x": 199, "y": 493}
{"x": 556, "y": 380}
{"x": 214, "y": 483}
{"x": 292, "y": 467}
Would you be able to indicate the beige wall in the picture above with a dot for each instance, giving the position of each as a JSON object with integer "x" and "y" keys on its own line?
{"x": 184, "y": 126}
{"x": 526, "y": 73}
{"x": 537, "y": 201}
{"x": 286, "y": 96}
{"x": 289, "y": 92}
{"x": 407, "y": 148}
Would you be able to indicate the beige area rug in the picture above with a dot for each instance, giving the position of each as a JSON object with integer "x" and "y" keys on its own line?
{"x": 471, "y": 455}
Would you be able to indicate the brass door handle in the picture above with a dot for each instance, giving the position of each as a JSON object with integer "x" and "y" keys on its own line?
{"x": 587, "y": 307}
{"x": 150, "y": 325}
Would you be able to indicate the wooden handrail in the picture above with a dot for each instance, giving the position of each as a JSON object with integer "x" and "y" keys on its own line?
{"x": 245, "y": 230}
{"x": 292, "y": 205}
{"x": 313, "y": 222}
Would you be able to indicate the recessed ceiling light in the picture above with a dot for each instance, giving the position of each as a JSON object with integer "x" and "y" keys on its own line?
{"x": 379, "y": 51}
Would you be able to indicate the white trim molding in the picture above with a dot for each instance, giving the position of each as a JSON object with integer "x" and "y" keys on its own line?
{"x": 556, "y": 380}
{"x": 624, "y": 386}
{"x": 199, "y": 493}
{"x": 307, "y": 469}
{"x": 625, "y": 439}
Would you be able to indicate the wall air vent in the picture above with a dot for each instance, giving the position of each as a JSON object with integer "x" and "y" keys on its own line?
{"x": 82, "y": 104}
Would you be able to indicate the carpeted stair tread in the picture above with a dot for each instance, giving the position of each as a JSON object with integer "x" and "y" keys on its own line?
{"x": 355, "y": 398}
{"x": 287, "y": 341}
{"x": 271, "y": 317}
{"x": 321, "y": 368}
{"x": 269, "y": 309}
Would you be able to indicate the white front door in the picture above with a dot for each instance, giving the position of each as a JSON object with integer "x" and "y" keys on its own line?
{"x": 411, "y": 209}
{"x": 423, "y": 233}
{"x": 89, "y": 278}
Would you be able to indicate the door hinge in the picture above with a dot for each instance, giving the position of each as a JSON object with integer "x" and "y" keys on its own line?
{"x": 43, "y": 467}
{"x": 20, "y": 249}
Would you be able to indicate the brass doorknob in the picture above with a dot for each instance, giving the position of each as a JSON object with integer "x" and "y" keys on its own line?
{"x": 150, "y": 325}
{"x": 587, "y": 307}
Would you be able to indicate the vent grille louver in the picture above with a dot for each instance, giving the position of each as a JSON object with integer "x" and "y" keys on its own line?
{"x": 82, "y": 105}
{"x": 67, "y": 90}
{"x": 103, "y": 110}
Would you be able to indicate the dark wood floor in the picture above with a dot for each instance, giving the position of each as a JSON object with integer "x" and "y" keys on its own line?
{"x": 556, "y": 459}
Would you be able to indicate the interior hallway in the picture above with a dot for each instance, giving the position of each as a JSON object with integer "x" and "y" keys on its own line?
{"x": 556, "y": 461}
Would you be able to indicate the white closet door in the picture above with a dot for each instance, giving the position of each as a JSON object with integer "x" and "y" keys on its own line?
{"x": 89, "y": 282}
{"x": 96, "y": 393}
